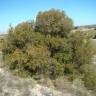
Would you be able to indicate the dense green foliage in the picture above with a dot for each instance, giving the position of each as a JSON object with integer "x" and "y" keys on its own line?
{"x": 54, "y": 22}
{"x": 47, "y": 48}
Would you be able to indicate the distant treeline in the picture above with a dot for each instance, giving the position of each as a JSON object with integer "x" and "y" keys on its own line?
{"x": 86, "y": 26}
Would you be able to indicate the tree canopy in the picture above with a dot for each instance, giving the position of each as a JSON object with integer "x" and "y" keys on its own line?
{"x": 47, "y": 47}
{"x": 54, "y": 22}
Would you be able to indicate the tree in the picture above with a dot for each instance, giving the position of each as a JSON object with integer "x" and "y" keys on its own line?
{"x": 47, "y": 48}
{"x": 54, "y": 22}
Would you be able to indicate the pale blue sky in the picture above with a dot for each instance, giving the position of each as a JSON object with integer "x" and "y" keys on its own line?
{"x": 15, "y": 11}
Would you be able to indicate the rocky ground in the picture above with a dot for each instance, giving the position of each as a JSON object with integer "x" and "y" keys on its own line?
{"x": 14, "y": 86}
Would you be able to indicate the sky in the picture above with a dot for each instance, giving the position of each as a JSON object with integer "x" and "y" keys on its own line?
{"x": 13, "y": 12}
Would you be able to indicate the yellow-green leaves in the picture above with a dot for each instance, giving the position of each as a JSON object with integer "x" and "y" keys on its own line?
{"x": 54, "y": 22}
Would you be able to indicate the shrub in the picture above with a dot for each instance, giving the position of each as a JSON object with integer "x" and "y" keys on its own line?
{"x": 89, "y": 77}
